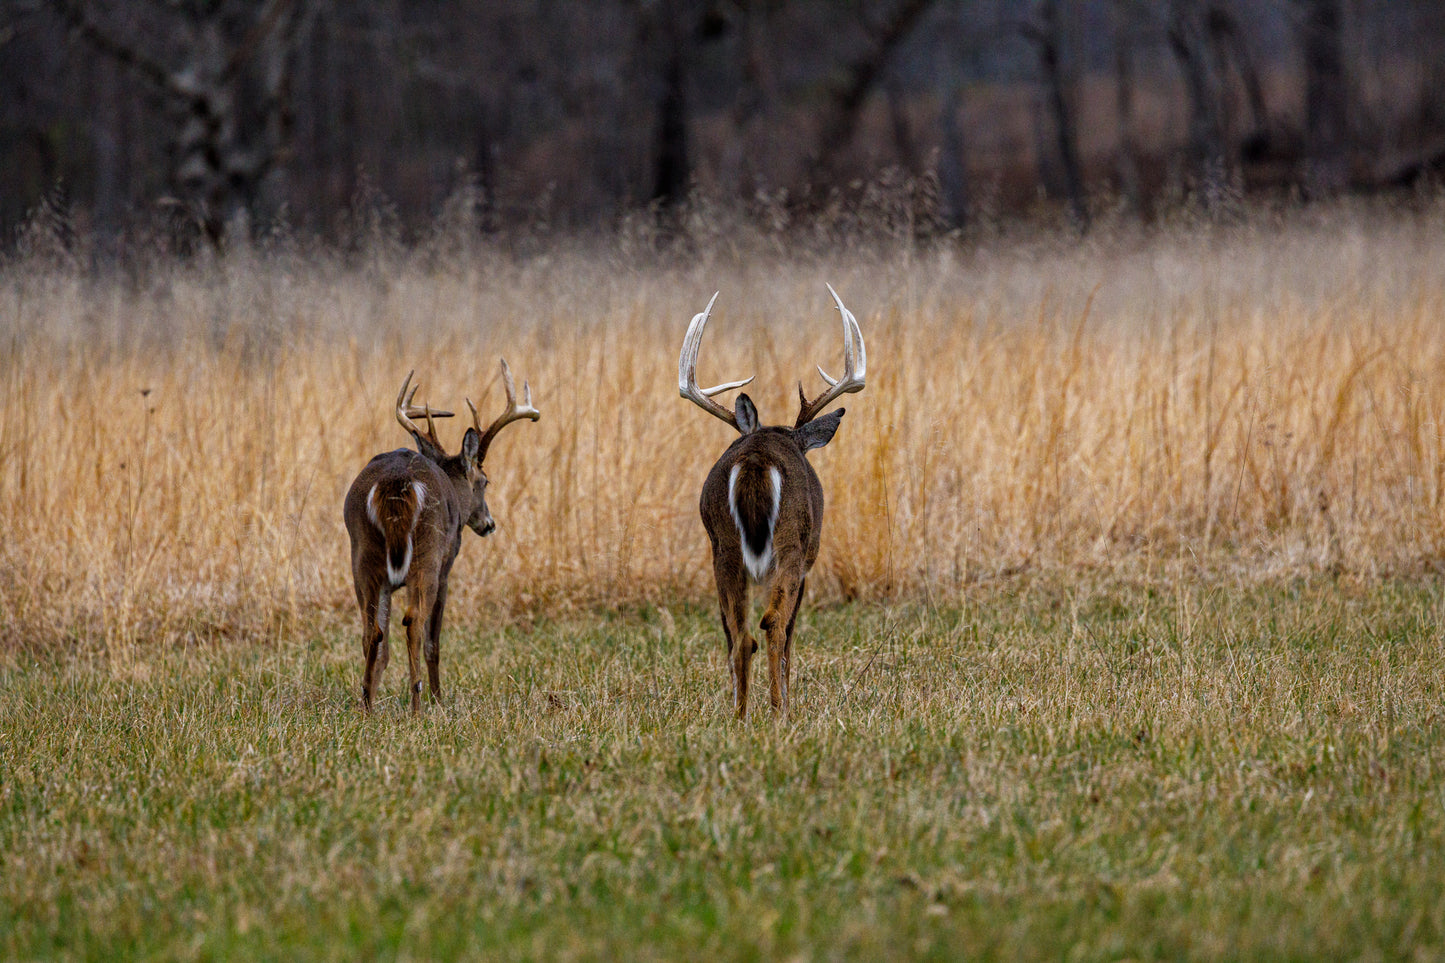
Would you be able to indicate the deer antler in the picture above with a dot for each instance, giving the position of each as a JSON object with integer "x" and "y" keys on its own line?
{"x": 513, "y": 413}
{"x": 687, "y": 371}
{"x": 406, "y": 411}
{"x": 855, "y": 365}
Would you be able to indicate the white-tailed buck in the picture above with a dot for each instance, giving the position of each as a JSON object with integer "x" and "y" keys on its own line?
{"x": 405, "y": 513}
{"x": 762, "y": 505}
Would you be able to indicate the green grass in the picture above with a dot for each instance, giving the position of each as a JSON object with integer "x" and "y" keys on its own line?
{"x": 1046, "y": 771}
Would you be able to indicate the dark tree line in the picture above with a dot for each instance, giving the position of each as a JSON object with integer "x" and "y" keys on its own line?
{"x": 222, "y": 117}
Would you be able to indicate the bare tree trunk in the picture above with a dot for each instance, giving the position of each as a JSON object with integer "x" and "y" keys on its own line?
{"x": 1429, "y": 25}
{"x": 1325, "y": 97}
{"x": 107, "y": 140}
{"x": 670, "y": 28}
{"x": 488, "y": 176}
{"x": 904, "y": 143}
{"x": 671, "y": 172}
{"x": 1208, "y": 160}
{"x": 845, "y": 102}
{"x": 752, "y": 100}
{"x": 953, "y": 160}
{"x": 222, "y": 154}
{"x": 1046, "y": 34}
{"x": 1126, "y": 162}
{"x": 1227, "y": 39}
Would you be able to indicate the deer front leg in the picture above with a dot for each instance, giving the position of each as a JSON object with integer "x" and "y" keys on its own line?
{"x": 783, "y": 601}
{"x": 732, "y": 591}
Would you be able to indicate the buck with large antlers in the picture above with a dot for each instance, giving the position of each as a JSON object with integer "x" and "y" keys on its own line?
{"x": 405, "y": 513}
{"x": 762, "y": 505}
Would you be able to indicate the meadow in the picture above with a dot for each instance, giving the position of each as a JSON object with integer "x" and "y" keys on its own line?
{"x": 1035, "y": 773}
{"x": 1124, "y": 639}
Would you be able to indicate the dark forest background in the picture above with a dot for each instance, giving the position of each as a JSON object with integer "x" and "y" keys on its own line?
{"x": 213, "y": 119}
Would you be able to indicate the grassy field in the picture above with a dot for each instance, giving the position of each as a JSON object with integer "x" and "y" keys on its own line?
{"x": 1125, "y": 639}
{"x": 1145, "y": 771}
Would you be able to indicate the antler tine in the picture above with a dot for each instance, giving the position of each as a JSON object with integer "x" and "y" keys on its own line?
{"x": 855, "y": 364}
{"x": 514, "y": 412}
{"x": 687, "y": 385}
{"x": 403, "y": 402}
{"x": 525, "y": 409}
{"x": 855, "y": 355}
{"x": 406, "y": 411}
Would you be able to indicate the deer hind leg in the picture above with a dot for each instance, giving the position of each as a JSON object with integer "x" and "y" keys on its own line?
{"x": 783, "y": 601}
{"x": 434, "y": 644}
{"x": 419, "y": 600}
{"x": 374, "y": 600}
{"x": 732, "y": 592}
{"x": 788, "y": 641}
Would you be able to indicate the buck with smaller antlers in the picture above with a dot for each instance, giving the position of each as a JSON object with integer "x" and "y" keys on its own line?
{"x": 762, "y": 505}
{"x": 405, "y": 513}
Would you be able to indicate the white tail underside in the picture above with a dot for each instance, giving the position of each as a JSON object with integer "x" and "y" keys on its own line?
{"x": 761, "y": 564}
{"x": 397, "y": 576}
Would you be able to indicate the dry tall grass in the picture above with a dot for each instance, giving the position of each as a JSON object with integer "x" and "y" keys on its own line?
{"x": 1266, "y": 398}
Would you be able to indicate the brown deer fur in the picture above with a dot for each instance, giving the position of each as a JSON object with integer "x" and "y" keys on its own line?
{"x": 757, "y": 540}
{"x": 422, "y": 506}
{"x": 762, "y": 506}
{"x": 404, "y": 513}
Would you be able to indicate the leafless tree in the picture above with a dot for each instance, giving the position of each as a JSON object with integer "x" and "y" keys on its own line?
{"x": 885, "y": 31}
{"x": 224, "y": 71}
{"x": 1126, "y": 163}
{"x": 1045, "y": 30}
{"x": 1326, "y": 100}
{"x": 1189, "y": 41}
{"x": 544, "y": 114}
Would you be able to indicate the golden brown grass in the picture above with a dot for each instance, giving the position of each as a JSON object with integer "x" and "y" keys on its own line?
{"x": 1266, "y": 398}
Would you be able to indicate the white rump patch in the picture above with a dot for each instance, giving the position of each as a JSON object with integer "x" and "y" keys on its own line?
{"x": 759, "y": 565}
{"x": 371, "y": 507}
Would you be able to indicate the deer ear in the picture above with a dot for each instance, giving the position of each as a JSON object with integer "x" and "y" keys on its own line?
{"x": 471, "y": 444}
{"x": 819, "y": 431}
{"x": 747, "y": 414}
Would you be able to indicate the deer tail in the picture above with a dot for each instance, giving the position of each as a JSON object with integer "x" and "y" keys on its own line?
{"x": 755, "y": 493}
{"x": 394, "y": 505}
